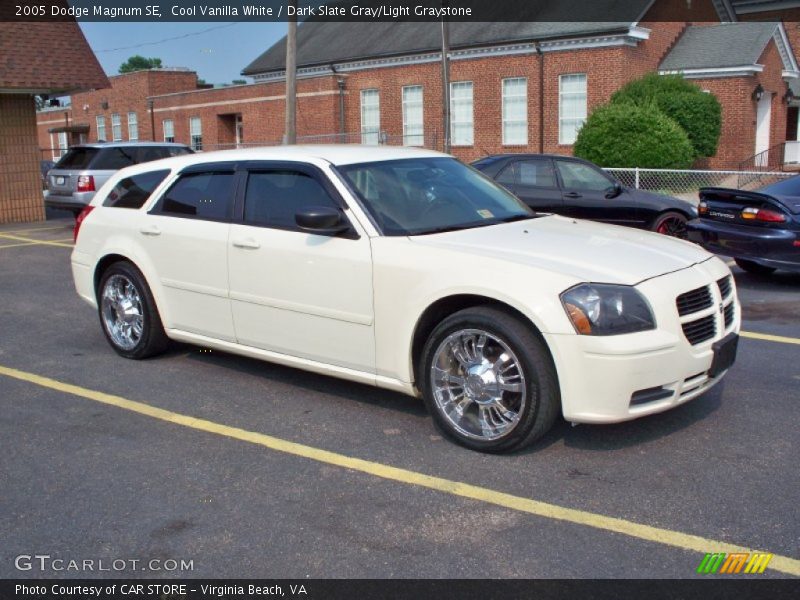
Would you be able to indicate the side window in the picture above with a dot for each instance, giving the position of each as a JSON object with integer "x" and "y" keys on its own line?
{"x": 274, "y": 197}
{"x": 578, "y": 176}
{"x": 133, "y": 192}
{"x": 508, "y": 176}
{"x": 113, "y": 159}
{"x": 537, "y": 173}
{"x": 202, "y": 195}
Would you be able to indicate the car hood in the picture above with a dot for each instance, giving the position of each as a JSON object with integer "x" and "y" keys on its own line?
{"x": 585, "y": 250}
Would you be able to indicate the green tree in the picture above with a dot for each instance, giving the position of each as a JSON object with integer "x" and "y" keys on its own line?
{"x": 631, "y": 135}
{"x": 698, "y": 113}
{"x": 139, "y": 63}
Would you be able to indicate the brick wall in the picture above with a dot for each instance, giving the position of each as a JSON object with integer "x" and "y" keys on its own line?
{"x": 20, "y": 179}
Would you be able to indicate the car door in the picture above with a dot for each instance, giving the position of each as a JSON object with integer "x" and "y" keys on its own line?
{"x": 294, "y": 292}
{"x": 185, "y": 235}
{"x": 533, "y": 181}
{"x": 585, "y": 190}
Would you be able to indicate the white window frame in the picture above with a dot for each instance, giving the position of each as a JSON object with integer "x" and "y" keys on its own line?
{"x": 63, "y": 143}
{"x": 574, "y": 122}
{"x": 462, "y": 128}
{"x": 116, "y": 128}
{"x": 413, "y": 115}
{"x": 511, "y": 94}
{"x": 370, "y": 106}
{"x": 169, "y": 132}
{"x": 196, "y": 133}
{"x": 53, "y": 148}
{"x": 100, "y": 123}
{"x": 133, "y": 127}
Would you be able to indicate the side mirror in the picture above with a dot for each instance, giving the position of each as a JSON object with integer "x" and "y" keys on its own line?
{"x": 614, "y": 191}
{"x": 322, "y": 220}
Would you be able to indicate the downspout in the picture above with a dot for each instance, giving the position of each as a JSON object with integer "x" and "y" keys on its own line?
{"x": 152, "y": 119}
{"x": 341, "y": 83}
{"x": 541, "y": 96}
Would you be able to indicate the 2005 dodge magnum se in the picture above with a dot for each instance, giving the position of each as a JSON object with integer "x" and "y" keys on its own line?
{"x": 407, "y": 270}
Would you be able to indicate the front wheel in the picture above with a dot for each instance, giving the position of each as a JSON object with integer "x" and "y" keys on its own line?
{"x": 753, "y": 267}
{"x": 671, "y": 223}
{"x": 489, "y": 381}
{"x": 128, "y": 313}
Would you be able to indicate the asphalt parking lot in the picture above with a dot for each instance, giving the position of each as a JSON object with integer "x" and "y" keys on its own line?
{"x": 248, "y": 469}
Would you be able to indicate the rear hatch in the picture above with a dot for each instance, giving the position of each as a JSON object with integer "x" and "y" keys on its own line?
{"x": 740, "y": 207}
{"x": 62, "y": 179}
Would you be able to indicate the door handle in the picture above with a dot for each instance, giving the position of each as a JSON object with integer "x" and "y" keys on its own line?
{"x": 150, "y": 230}
{"x": 573, "y": 195}
{"x": 248, "y": 243}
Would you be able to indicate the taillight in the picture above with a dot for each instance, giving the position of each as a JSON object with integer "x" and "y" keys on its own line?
{"x": 86, "y": 183}
{"x": 702, "y": 208}
{"x": 78, "y": 220}
{"x": 763, "y": 214}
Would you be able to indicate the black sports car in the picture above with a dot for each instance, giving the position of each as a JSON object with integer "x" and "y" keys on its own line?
{"x": 577, "y": 188}
{"x": 760, "y": 229}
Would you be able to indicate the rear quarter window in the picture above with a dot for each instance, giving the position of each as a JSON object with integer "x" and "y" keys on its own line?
{"x": 113, "y": 159}
{"x": 133, "y": 192}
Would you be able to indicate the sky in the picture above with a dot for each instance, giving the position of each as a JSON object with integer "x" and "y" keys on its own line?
{"x": 217, "y": 51}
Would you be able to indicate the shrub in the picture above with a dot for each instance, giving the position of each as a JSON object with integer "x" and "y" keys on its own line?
{"x": 632, "y": 135}
{"x": 698, "y": 113}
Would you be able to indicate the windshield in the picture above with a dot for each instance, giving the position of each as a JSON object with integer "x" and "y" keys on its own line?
{"x": 416, "y": 196}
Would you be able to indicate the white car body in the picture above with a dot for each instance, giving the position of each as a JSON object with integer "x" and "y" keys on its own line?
{"x": 350, "y": 307}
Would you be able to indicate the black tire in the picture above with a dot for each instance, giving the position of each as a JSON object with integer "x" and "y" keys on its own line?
{"x": 671, "y": 223}
{"x": 542, "y": 400}
{"x": 152, "y": 339}
{"x": 754, "y": 267}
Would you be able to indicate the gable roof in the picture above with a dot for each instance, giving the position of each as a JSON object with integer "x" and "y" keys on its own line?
{"x": 47, "y": 58}
{"x": 325, "y": 43}
{"x": 720, "y": 46}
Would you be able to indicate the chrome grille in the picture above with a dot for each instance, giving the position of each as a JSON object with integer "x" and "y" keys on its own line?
{"x": 694, "y": 301}
{"x": 700, "y": 330}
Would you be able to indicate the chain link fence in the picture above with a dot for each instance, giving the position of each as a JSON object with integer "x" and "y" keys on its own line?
{"x": 685, "y": 183}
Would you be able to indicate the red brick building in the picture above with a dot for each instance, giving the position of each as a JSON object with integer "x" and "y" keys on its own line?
{"x": 37, "y": 58}
{"x": 514, "y": 86}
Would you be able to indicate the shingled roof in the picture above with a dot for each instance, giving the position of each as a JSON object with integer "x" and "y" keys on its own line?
{"x": 719, "y": 46}
{"x": 47, "y": 58}
{"x": 320, "y": 43}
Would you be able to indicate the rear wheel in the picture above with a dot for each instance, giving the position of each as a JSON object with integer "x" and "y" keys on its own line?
{"x": 671, "y": 223}
{"x": 489, "y": 381}
{"x": 128, "y": 313}
{"x": 753, "y": 267}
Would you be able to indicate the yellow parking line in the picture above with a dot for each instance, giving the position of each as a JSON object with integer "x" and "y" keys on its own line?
{"x": 18, "y": 238}
{"x": 17, "y": 245}
{"x": 770, "y": 338}
{"x": 676, "y": 539}
{"x": 15, "y": 231}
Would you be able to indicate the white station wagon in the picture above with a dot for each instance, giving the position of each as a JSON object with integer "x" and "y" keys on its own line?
{"x": 407, "y": 270}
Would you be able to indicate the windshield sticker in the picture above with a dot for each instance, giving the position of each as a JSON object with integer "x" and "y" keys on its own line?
{"x": 486, "y": 214}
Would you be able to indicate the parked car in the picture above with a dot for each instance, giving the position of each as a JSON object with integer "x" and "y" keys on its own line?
{"x": 44, "y": 167}
{"x": 577, "y": 188}
{"x": 405, "y": 269}
{"x": 759, "y": 229}
{"x": 77, "y": 176}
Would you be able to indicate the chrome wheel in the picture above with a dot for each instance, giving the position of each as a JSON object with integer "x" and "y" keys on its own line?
{"x": 121, "y": 311}
{"x": 478, "y": 384}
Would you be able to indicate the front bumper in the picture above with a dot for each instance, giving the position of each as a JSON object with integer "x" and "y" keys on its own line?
{"x": 767, "y": 246}
{"x": 601, "y": 376}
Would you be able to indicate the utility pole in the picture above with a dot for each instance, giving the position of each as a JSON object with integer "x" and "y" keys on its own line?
{"x": 290, "y": 135}
{"x": 446, "y": 81}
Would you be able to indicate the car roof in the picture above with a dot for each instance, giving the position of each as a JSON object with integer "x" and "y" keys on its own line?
{"x": 126, "y": 144}
{"x": 525, "y": 155}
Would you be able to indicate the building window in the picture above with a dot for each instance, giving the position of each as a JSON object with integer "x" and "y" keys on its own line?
{"x": 101, "y": 128}
{"x": 571, "y": 106}
{"x": 413, "y": 129}
{"x": 116, "y": 128}
{"x": 63, "y": 144}
{"x": 370, "y": 117}
{"x": 461, "y": 119}
{"x": 169, "y": 130}
{"x": 515, "y": 111}
{"x": 196, "y": 133}
{"x": 133, "y": 127}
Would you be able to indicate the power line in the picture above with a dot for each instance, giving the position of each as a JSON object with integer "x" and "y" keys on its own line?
{"x": 177, "y": 37}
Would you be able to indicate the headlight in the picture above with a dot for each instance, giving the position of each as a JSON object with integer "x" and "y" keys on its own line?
{"x": 604, "y": 309}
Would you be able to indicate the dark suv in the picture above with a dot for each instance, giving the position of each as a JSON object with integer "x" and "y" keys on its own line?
{"x": 74, "y": 180}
